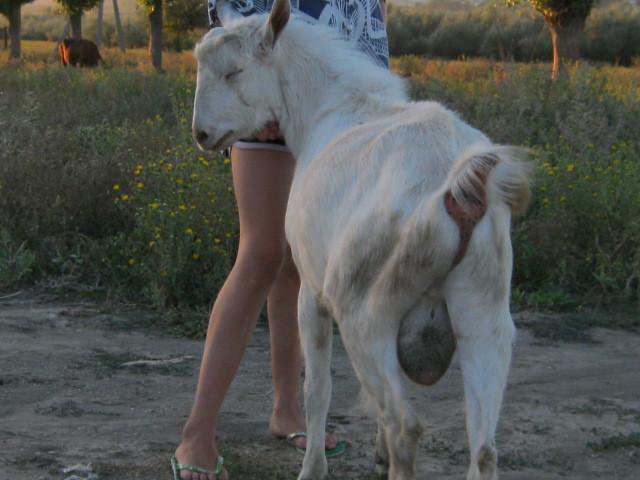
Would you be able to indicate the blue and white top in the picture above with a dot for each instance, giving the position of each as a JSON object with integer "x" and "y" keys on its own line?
{"x": 358, "y": 21}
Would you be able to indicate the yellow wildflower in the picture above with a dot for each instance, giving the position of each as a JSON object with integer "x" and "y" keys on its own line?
{"x": 140, "y": 185}
{"x": 154, "y": 205}
{"x": 227, "y": 161}
{"x": 189, "y": 231}
{"x": 216, "y": 240}
{"x": 124, "y": 197}
{"x": 571, "y": 167}
{"x": 132, "y": 262}
{"x": 116, "y": 187}
{"x": 195, "y": 256}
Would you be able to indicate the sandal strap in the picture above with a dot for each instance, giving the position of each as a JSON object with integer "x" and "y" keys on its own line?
{"x": 295, "y": 435}
{"x": 196, "y": 469}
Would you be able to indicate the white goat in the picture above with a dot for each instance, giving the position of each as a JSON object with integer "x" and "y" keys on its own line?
{"x": 398, "y": 220}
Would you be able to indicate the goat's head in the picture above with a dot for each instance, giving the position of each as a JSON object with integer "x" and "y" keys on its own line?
{"x": 236, "y": 79}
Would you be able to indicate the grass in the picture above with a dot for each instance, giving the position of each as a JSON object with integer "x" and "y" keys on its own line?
{"x": 101, "y": 184}
{"x": 615, "y": 442}
{"x": 42, "y": 54}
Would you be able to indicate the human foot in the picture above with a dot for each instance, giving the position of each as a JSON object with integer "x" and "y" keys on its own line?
{"x": 283, "y": 424}
{"x": 194, "y": 460}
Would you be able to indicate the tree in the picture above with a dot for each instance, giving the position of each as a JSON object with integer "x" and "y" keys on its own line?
{"x": 182, "y": 16}
{"x": 99, "y": 22}
{"x": 154, "y": 8}
{"x": 11, "y": 9}
{"x": 116, "y": 16}
{"x": 74, "y": 9}
{"x": 565, "y": 20}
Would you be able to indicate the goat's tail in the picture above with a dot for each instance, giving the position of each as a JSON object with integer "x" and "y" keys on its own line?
{"x": 483, "y": 175}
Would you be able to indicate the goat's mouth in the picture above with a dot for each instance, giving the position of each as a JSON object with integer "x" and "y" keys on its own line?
{"x": 223, "y": 142}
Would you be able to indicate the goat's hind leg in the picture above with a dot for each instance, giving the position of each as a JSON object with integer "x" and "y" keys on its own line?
{"x": 485, "y": 337}
{"x": 377, "y": 367}
{"x": 381, "y": 458}
{"x": 316, "y": 329}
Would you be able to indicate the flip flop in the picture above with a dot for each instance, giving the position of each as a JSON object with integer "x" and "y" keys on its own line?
{"x": 336, "y": 451}
{"x": 178, "y": 467}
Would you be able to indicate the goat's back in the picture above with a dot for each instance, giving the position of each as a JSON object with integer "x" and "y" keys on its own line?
{"x": 350, "y": 207}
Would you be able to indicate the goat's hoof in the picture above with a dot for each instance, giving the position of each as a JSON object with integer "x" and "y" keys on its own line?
{"x": 381, "y": 468}
{"x": 318, "y": 474}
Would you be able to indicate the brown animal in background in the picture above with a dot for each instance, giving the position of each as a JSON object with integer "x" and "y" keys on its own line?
{"x": 79, "y": 52}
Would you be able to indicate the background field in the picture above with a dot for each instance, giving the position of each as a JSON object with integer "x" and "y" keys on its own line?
{"x": 103, "y": 189}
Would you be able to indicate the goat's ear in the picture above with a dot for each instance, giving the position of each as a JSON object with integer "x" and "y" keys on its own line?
{"x": 278, "y": 19}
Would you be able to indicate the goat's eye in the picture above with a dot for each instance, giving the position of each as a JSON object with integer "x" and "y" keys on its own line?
{"x": 232, "y": 75}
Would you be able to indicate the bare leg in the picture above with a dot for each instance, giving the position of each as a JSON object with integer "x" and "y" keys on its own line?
{"x": 286, "y": 356}
{"x": 262, "y": 180}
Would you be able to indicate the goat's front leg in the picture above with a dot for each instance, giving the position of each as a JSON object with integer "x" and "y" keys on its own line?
{"x": 316, "y": 329}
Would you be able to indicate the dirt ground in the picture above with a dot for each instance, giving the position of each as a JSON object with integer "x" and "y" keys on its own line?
{"x": 572, "y": 409}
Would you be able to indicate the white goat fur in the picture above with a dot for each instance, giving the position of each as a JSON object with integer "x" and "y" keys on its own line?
{"x": 367, "y": 223}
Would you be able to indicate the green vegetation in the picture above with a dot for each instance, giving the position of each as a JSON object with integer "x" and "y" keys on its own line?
{"x": 102, "y": 185}
{"x": 75, "y": 10}
{"x": 616, "y": 442}
{"x": 16, "y": 261}
{"x": 611, "y": 33}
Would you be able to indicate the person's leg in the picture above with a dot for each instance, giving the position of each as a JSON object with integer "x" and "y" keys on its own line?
{"x": 286, "y": 355}
{"x": 262, "y": 180}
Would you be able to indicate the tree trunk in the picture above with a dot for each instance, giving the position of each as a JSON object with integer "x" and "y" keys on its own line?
{"x": 116, "y": 14}
{"x": 5, "y": 37}
{"x": 155, "y": 34}
{"x": 566, "y": 38}
{"x": 76, "y": 24}
{"x": 14, "y": 29}
{"x": 99, "y": 24}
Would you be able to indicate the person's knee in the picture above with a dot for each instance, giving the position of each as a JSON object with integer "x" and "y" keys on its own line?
{"x": 261, "y": 261}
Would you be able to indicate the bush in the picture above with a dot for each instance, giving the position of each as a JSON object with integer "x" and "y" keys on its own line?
{"x": 61, "y": 155}
{"x": 185, "y": 232}
{"x": 492, "y": 30}
{"x": 16, "y": 261}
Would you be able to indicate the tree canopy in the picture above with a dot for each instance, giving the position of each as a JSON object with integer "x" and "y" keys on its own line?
{"x": 74, "y": 7}
{"x": 557, "y": 9}
{"x": 5, "y": 6}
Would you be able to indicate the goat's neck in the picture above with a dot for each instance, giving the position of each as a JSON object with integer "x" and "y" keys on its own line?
{"x": 314, "y": 111}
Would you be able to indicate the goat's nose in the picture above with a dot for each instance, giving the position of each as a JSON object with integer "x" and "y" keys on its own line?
{"x": 201, "y": 136}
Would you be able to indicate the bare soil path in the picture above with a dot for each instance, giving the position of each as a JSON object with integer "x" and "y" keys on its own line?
{"x": 69, "y": 394}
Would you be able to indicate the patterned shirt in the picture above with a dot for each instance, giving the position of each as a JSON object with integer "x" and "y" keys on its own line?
{"x": 357, "y": 21}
